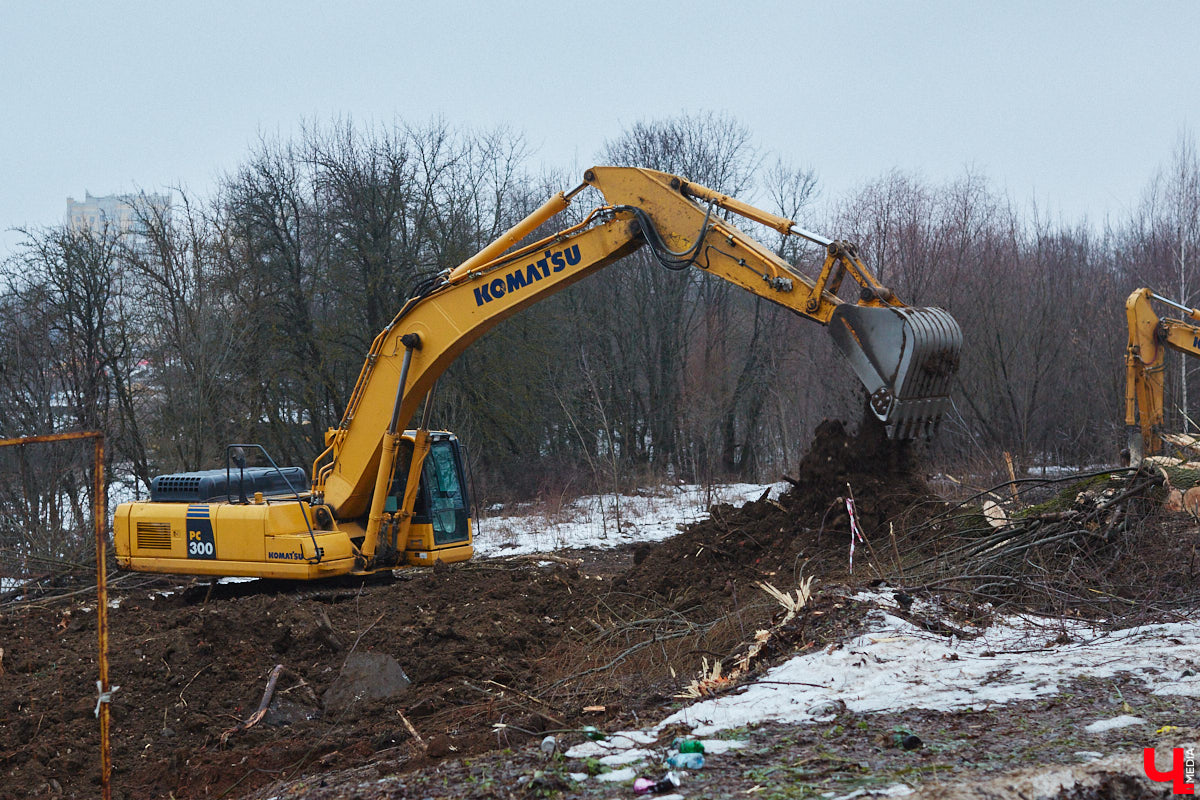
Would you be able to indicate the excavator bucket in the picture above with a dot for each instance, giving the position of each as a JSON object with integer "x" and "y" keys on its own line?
{"x": 906, "y": 357}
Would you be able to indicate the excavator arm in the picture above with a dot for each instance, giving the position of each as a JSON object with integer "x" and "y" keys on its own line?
{"x": 1150, "y": 337}
{"x": 906, "y": 357}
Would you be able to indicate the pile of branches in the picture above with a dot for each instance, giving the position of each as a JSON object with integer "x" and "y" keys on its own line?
{"x": 1101, "y": 545}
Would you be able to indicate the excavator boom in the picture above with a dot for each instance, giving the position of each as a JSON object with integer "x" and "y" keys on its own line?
{"x": 905, "y": 357}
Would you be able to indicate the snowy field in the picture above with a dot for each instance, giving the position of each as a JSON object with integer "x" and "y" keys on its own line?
{"x": 606, "y": 520}
{"x": 896, "y": 666}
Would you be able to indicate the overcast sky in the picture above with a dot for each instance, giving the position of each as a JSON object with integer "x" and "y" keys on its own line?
{"x": 1074, "y": 104}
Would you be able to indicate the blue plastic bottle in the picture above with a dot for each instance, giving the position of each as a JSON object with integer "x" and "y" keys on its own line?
{"x": 686, "y": 760}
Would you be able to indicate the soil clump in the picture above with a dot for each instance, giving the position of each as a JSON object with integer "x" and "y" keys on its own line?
{"x": 806, "y": 531}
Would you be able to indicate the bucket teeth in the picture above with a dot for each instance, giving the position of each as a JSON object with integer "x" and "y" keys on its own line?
{"x": 906, "y": 358}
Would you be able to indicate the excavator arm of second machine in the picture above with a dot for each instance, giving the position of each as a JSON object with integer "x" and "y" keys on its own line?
{"x": 1150, "y": 337}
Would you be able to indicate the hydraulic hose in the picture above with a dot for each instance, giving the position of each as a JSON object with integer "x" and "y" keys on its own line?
{"x": 671, "y": 259}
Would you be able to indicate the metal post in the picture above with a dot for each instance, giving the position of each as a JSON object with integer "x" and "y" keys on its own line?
{"x": 428, "y": 407}
{"x": 99, "y": 505}
{"x": 100, "y": 516}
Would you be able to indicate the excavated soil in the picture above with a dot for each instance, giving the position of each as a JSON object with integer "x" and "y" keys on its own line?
{"x": 807, "y": 530}
{"x": 498, "y": 651}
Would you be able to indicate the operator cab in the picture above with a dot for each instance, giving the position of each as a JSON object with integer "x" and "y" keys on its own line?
{"x": 442, "y": 501}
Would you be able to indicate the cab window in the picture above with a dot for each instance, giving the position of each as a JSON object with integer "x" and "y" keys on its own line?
{"x": 447, "y": 500}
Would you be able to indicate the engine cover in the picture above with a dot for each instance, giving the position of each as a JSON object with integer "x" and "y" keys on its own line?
{"x": 219, "y": 484}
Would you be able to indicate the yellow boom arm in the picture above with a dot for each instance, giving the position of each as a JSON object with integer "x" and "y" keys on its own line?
{"x": 905, "y": 356}
{"x": 1149, "y": 339}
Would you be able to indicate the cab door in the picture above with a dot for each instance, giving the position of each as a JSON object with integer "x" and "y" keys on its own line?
{"x": 446, "y": 493}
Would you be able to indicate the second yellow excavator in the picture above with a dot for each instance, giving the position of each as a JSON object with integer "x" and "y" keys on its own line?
{"x": 1150, "y": 337}
{"x": 382, "y": 497}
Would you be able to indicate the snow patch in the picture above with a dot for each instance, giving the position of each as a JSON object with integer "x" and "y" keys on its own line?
{"x": 616, "y": 743}
{"x": 716, "y": 747}
{"x": 895, "y": 790}
{"x": 626, "y": 774}
{"x": 1123, "y": 721}
{"x": 897, "y": 666}
{"x": 592, "y": 521}
{"x": 628, "y": 757}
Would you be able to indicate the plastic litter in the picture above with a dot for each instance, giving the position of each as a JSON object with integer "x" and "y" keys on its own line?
{"x": 686, "y": 761}
{"x": 906, "y": 739}
{"x": 104, "y": 697}
{"x": 666, "y": 783}
{"x": 548, "y": 745}
{"x": 827, "y": 708}
{"x": 688, "y": 745}
{"x": 593, "y": 733}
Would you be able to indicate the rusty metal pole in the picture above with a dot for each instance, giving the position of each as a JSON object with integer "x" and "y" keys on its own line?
{"x": 99, "y": 504}
{"x": 100, "y": 515}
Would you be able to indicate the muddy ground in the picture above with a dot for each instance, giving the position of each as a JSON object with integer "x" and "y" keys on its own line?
{"x": 501, "y": 653}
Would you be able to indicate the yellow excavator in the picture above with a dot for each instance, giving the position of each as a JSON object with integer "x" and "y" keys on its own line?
{"x": 383, "y": 497}
{"x": 1150, "y": 337}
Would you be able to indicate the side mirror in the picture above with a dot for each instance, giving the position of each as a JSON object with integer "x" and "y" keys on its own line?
{"x": 239, "y": 457}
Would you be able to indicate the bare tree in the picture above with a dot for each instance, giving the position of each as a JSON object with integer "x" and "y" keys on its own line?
{"x": 197, "y": 333}
{"x": 649, "y": 344}
{"x": 66, "y": 364}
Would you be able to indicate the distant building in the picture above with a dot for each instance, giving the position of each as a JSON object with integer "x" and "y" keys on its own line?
{"x": 116, "y": 212}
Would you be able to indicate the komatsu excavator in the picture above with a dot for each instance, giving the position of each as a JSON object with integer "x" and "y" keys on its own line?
{"x": 1150, "y": 337}
{"x": 382, "y": 497}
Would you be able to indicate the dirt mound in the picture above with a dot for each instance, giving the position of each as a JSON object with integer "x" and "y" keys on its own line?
{"x": 192, "y": 666}
{"x": 882, "y": 474}
{"x": 807, "y": 528}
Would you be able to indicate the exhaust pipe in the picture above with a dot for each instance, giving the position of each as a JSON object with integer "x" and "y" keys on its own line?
{"x": 906, "y": 358}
